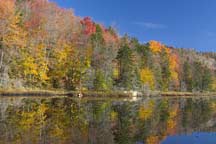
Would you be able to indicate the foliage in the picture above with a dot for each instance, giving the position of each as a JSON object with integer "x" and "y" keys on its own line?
{"x": 44, "y": 46}
{"x": 127, "y": 67}
{"x": 147, "y": 77}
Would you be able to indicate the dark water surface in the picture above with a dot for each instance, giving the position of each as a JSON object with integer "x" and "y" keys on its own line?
{"x": 107, "y": 121}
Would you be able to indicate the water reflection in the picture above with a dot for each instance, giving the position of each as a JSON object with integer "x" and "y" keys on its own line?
{"x": 106, "y": 121}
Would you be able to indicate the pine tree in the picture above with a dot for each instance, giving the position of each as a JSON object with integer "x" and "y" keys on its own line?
{"x": 128, "y": 72}
{"x": 165, "y": 70}
{"x": 187, "y": 76}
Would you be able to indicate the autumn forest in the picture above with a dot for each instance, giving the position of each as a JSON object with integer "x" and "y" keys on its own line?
{"x": 47, "y": 47}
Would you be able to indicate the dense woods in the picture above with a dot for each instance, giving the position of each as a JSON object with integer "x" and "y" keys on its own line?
{"x": 44, "y": 46}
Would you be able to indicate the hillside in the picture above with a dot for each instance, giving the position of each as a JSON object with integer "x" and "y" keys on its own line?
{"x": 45, "y": 46}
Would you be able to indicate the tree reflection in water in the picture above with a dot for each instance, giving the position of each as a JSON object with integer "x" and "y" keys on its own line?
{"x": 107, "y": 121}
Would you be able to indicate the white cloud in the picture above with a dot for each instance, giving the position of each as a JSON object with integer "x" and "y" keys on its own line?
{"x": 211, "y": 34}
{"x": 150, "y": 25}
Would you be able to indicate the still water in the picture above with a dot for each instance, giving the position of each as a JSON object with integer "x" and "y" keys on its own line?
{"x": 107, "y": 121}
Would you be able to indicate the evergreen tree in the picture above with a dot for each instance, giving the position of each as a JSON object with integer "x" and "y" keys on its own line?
{"x": 187, "y": 76}
{"x": 206, "y": 79}
{"x": 197, "y": 76}
{"x": 128, "y": 74}
{"x": 165, "y": 70}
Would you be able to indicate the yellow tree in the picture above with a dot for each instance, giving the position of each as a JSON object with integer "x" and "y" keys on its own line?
{"x": 145, "y": 112}
{"x": 60, "y": 63}
{"x": 34, "y": 67}
{"x": 12, "y": 39}
{"x": 174, "y": 68}
{"x": 213, "y": 85}
{"x": 153, "y": 139}
{"x": 12, "y": 34}
{"x": 147, "y": 77}
{"x": 155, "y": 46}
{"x": 172, "y": 119}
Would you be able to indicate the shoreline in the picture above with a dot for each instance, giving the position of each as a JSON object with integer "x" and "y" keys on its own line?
{"x": 99, "y": 94}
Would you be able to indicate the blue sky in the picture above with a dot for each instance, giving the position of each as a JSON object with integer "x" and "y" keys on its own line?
{"x": 179, "y": 23}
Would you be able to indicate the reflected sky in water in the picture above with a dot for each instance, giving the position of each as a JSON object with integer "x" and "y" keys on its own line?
{"x": 194, "y": 138}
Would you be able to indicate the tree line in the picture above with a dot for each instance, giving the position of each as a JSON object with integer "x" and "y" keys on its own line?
{"x": 45, "y": 46}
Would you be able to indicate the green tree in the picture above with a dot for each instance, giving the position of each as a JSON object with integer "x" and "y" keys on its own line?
{"x": 165, "y": 70}
{"x": 206, "y": 79}
{"x": 100, "y": 82}
{"x": 187, "y": 76}
{"x": 127, "y": 68}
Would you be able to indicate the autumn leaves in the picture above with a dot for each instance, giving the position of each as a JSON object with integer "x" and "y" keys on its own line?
{"x": 44, "y": 46}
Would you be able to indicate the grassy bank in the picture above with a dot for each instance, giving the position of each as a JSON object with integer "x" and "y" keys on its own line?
{"x": 116, "y": 94}
{"x": 19, "y": 92}
{"x": 185, "y": 94}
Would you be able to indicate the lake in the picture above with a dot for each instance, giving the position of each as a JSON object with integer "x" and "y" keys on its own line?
{"x": 62, "y": 120}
